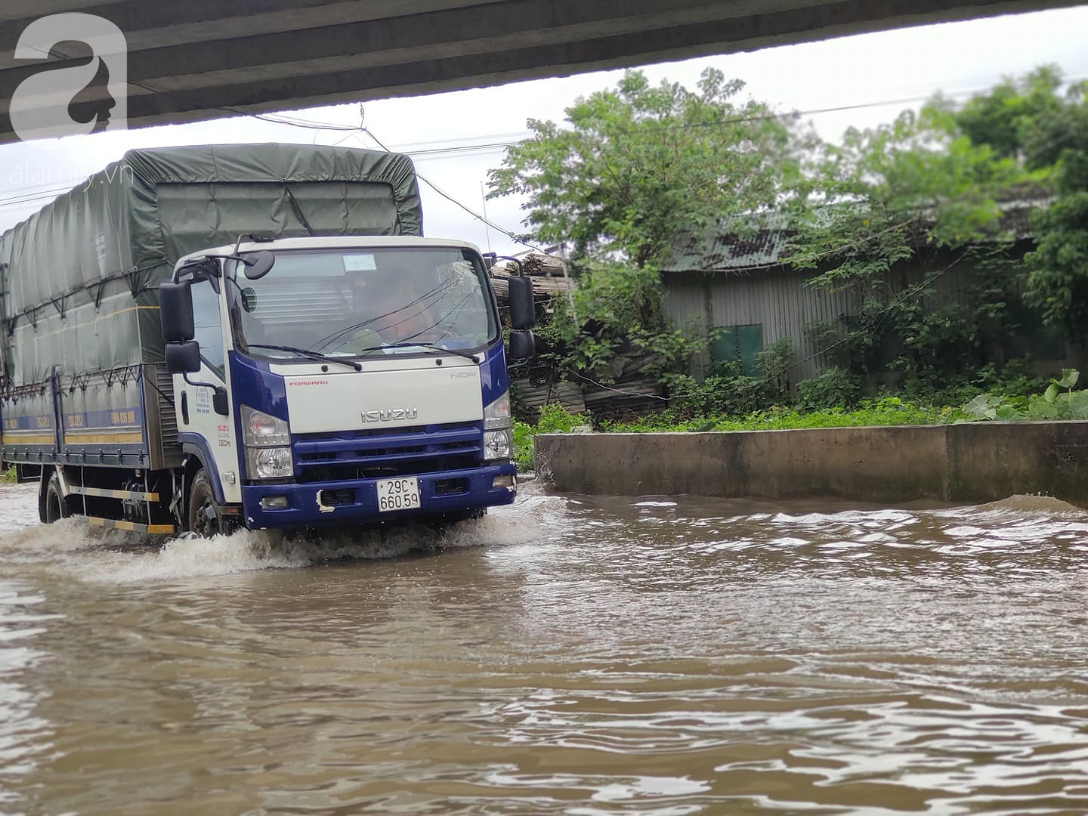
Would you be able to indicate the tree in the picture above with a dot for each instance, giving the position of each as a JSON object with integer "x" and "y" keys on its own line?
{"x": 888, "y": 194}
{"x": 1011, "y": 116}
{"x": 1046, "y": 128}
{"x": 1058, "y": 281}
{"x": 874, "y": 200}
{"x": 636, "y": 167}
{"x": 633, "y": 170}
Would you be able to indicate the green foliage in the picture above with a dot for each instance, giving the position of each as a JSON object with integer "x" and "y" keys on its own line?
{"x": 9, "y": 476}
{"x": 1051, "y": 405}
{"x": 883, "y": 412}
{"x": 630, "y": 170}
{"x": 1048, "y": 131}
{"x": 523, "y": 446}
{"x": 553, "y": 419}
{"x": 874, "y": 200}
{"x": 518, "y": 408}
{"x": 1014, "y": 379}
{"x": 728, "y": 391}
{"x": 1009, "y": 117}
{"x": 833, "y": 388}
{"x": 776, "y": 359}
{"x": 1059, "y": 402}
{"x": 636, "y": 166}
{"x": 1058, "y": 283}
{"x": 618, "y": 308}
{"x": 928, "y": 189}
{"x": 729, "y": 394}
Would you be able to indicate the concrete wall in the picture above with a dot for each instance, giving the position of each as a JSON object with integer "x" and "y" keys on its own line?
{"x": 975, "y": 462}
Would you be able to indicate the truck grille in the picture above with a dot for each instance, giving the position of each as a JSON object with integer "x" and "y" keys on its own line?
{"x": 398, "y": 452}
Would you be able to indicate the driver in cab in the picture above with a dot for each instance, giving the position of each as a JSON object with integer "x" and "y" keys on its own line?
{"x": 392, "y": 308}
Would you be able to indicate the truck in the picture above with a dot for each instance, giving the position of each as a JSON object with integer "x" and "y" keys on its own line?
{"x": 203, "y": 339}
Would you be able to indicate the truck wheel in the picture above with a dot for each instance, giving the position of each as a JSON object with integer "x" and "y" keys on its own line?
{"x": 204, "y": 518}
{"x": 56, "y": 508}
{"x": 473, "y": 514}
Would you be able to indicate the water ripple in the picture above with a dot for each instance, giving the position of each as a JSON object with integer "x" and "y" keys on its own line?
{"x": 575, "y": 656}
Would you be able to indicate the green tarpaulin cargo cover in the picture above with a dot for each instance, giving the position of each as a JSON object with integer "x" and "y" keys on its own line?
{"x": 78, "y": 279}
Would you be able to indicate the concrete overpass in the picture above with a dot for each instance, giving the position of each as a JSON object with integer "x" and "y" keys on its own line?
{"x": 202, "y": 59}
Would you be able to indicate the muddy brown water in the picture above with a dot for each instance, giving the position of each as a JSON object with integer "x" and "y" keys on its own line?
{"x": 566, "y": 655}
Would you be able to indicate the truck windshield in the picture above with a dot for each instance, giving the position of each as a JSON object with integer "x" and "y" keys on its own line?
{"x": 372, "y": 302}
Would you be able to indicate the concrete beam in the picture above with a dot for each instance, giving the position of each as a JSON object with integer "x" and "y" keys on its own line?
{"x": 33, "y": 9}
{"x": 205, "y": 59}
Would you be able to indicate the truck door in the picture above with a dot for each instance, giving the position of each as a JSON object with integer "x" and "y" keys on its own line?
{"x": 198, "y": 422}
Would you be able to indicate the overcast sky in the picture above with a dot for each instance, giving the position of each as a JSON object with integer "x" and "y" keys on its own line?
{"x": 886, "y": 67}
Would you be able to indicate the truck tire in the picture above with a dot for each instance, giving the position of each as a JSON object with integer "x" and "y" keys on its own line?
{"x": 458, "y": 516}
{"x": 204, "y": 517}
{"x": 55, "y": 506}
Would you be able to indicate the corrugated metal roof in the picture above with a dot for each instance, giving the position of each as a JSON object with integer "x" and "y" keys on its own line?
{"x": 1016, "y": 215}
{"x": 724, "y": 251}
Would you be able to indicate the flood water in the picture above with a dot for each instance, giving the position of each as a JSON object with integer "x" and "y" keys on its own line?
{"x": 566, "y": 655}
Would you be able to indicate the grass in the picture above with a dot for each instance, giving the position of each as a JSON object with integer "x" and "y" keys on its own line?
{"x": 884, "y": 412}
{"x": 9, "y": 476}
{"x": 1059, "y": 402}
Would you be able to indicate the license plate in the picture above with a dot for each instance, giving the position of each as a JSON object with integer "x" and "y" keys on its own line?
{"x": 398, "y": 494}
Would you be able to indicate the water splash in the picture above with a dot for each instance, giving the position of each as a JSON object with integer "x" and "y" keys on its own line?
{"x": 247, "y": 551}
{"x": 117, "y": 557}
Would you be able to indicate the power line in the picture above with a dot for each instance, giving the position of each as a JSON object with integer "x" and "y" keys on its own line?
{"x": 463, "y": 149}
{"x": 519, "y": 136}
{"x": 30, "y": 200}
{"x": 496, "y": 146}
{"x": 512, "y": 236}
{"x": 352, "y": 130}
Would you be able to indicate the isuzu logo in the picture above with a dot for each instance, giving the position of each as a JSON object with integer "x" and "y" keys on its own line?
{"x": 392, "y": 415}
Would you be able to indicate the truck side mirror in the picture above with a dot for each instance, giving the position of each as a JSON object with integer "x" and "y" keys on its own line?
{"x": 522, "y": 308}
{"x": 183, "y": 358}
{"x": 176, "y": 312}
{"x": 258, "y": 264}
{"x": 522, "y": 346}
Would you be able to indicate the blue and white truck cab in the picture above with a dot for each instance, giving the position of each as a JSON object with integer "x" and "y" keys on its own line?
{"x": 341, "y": 381}
{"x": 160, "y": 375}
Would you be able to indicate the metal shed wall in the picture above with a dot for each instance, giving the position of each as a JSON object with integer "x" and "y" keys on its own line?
{"x": 778, "y": 300}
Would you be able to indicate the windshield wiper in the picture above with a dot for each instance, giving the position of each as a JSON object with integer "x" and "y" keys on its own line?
{"x": 313, "y": 355}
{"x": 425, "y": 347}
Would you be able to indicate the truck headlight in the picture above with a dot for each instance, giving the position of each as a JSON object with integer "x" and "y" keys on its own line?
{"x": 269, "y": 463}
{"x": 267, "y": 443}
{"x": 496, "y": 445}
{"x": 261, "y": 430}
{"x": 497, "y": 414}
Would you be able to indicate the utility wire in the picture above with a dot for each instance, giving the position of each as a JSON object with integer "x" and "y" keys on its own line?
{"x": 512, "y": 236}
{"x": 352, "y": 130}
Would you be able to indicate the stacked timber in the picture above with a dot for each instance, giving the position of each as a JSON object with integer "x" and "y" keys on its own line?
{"x": 632, "y": 397}
{"x": 632, "y": 391}
{"x": 533, "y": 396}
{"x": 631, "y": 388}
{"x": 547, "y": 273}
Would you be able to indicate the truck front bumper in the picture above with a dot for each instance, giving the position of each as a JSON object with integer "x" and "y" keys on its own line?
{"x": 356, "y": 501}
